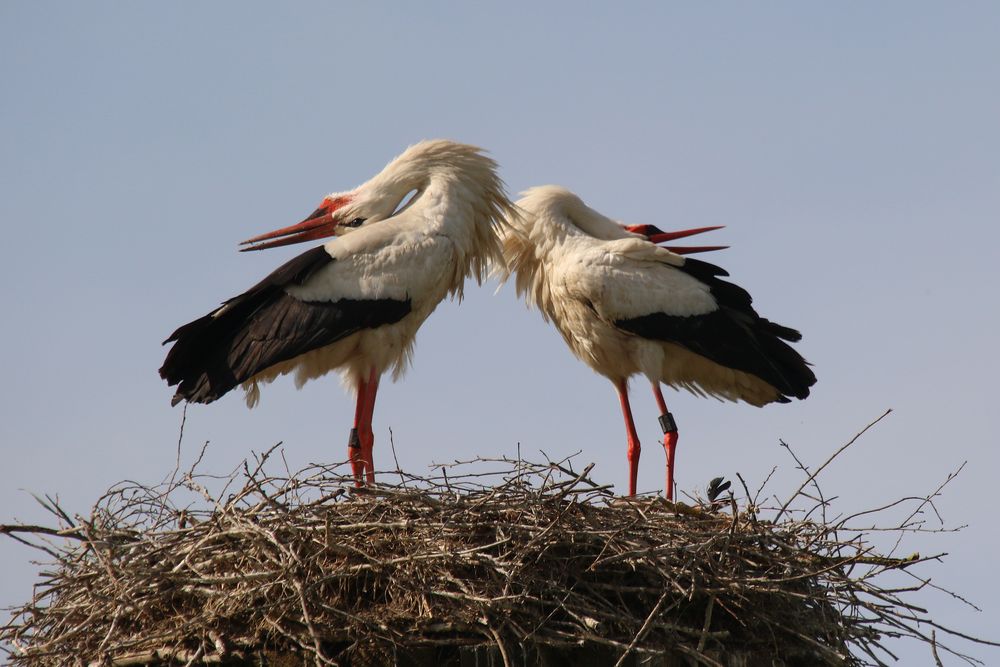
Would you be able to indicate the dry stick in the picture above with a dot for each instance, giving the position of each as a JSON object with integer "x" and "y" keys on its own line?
{"x": 825, "y": 464}
{"x": 399, "y": 470}
{"x": 928, "y": 500}
{"x": 822, "y": 503}
{"x": 937, "y": 658}
{"x": 53, "y": 506}
{"x": 760, "y": 489}
{"x": 501, "y": 647}
{"x": 708, "y": 624}
{"x": 165, "y": 655}
{"x": 75, "y": 532}
{"x": 197, "y": 654}
{"x": 642, "y": 631}
{"x": 701, "y": 659}
{"x": 457, "y": 540}
{"x": 180, "y": 439}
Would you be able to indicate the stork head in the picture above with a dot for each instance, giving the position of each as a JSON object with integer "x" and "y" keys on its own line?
{"x": 337, "y": 213}
{"x": 400, "y": 184}
{"x": 657, "y": 235}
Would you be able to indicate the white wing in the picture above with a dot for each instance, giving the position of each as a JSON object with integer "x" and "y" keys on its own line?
{"x": 630, "y": 278}
{"x": 381, "y": 264}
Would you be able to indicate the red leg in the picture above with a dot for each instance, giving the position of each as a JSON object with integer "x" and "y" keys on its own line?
{"x": 367, "y": 435}
{"x": 354, "y": 449}
{"x": 669, "y": 438}
{"x": 633, "y": 439}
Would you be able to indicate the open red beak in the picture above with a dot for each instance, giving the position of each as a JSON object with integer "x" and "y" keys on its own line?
{"x": 318, "y": 225}
{"x": 657, "y": 235}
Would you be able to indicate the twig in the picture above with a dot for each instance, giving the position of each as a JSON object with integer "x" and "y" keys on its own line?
{"x": 487, "y": 551}
{"x": 837, "y": 453}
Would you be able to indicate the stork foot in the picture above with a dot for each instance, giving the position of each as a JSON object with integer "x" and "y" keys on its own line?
{"x": 367, "y": 445}
{"x": 669, "y": 427}
{"x": 355, "y": 454}
{"x": 634, "y": 450}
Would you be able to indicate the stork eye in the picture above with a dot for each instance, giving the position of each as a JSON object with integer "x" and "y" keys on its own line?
{"x": 357, "y": 222}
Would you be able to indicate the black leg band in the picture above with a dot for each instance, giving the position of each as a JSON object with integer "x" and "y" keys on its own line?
{"x": 354, "y": 442}
{"x": 667, "y": 423}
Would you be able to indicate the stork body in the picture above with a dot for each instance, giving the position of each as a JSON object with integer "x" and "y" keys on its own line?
{"x": 406, "y": 239}
{"x": 626, "y": 306}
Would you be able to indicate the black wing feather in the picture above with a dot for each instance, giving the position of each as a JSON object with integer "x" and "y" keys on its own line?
{"x": 265, "y": 326}
{"x": 734, "y": 336}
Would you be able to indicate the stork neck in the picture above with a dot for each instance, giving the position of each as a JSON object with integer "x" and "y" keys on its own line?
{"x": 580, "y": 219}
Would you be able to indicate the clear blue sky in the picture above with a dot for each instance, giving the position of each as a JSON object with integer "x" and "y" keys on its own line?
{"x": 852, "y": 150}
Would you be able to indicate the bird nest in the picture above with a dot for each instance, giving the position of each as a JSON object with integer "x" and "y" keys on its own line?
{"x": 507, "y": 561}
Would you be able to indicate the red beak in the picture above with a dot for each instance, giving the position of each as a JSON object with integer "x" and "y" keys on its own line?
{"x": 318, "y": 225}
{"x": 657, "y": 235}
{"x": 693, "y": 249}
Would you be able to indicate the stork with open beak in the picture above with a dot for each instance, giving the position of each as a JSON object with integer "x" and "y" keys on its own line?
{"x": 627, "y": 306}
{"x": 418, "y": 229}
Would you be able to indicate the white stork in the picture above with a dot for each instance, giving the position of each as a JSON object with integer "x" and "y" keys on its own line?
{"x": 355, "y": 303}
{"x": 626, "y": 306}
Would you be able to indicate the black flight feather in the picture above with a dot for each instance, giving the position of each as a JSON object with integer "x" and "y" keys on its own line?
{"x": 264, "y": 326}
{"x": 734, "y": 336}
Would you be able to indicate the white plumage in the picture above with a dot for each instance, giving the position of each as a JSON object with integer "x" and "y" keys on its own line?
{"x": 406, "y": 239}
{"x": 626, "y": 306}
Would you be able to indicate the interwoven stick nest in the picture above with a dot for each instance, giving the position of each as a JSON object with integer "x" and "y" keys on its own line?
{"x": 522, "y": 562}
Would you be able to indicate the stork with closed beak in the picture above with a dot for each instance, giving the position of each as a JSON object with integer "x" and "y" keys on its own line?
{"x": 626, "y": 306}
{"x": 355, "y": 303}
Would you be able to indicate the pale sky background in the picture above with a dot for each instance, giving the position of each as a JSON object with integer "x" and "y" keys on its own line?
{"x": 852, "y": 150}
